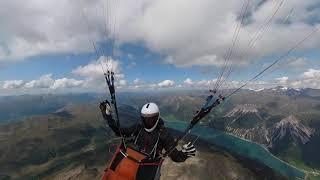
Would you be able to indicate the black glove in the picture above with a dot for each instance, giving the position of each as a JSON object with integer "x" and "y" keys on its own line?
{"x": 189, "y": 149}
{"x": 105, "y": 107}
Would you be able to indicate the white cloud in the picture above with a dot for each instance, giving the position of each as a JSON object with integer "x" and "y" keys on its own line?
{"x": 308, "y": 79}
{"x": 311, "y": 74}
{"x": 291, "y": 64}
{"x": 93, "y": 73}
{"x": 140, "y": 84}
{"x": 43, "y": 84}
{"x": 282, "y": 80}
{"x": 188, "y": 82}
{"x": 166, "y": 83}
{"x": 66, "y": 83}
{"x": 13, "y": 84}
{"x": 196, "y": 33}
{"x": 96, "y": 69}
{"x": 42, "y": 27}
{"x": 205, "y": 83}
{"x": 123, "y": 82}
{"x": 205, "y": 35}
{"x": 298, "y": 63}
{"x": 44, "y": 81}
{"x": 138, "y": 81}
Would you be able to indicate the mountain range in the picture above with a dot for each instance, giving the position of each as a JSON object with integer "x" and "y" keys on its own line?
{"x": 73, "y": 143}
{"x": 52, "y": 136}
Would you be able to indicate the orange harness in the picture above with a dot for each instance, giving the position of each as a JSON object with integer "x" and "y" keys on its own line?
{"x": 125, "y": 165}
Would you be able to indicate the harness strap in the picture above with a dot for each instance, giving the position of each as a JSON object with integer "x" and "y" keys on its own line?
{"x": 154, "y": 150}
{"x": 152, "y": 163}
{"x": 140, "y": 162}
{"x": 136, "y": 139}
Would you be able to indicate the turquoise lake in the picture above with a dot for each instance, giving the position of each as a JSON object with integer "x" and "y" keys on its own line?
{"x": 241, "y": 147}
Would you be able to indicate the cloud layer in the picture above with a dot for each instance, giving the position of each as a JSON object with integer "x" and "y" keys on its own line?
{"x": 44, "y": 82}
{"x": 184, "y": 33}
{"x": 166, "y": 83}
{"x": 196, "y": 33}
{"x": 308, "y": 79}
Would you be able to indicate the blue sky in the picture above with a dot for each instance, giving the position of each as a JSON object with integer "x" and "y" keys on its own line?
{"x": 158, "y": 46}
{"x": 137, "y": 62}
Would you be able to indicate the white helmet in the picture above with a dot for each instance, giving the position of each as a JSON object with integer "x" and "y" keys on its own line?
{"x": 150, "y": 116}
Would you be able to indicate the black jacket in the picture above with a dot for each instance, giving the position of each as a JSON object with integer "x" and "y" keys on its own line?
{"x": 151, "y": 143}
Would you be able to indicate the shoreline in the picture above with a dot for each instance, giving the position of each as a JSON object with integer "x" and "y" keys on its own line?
{"x": 265, "y": 148}
{"x": 248, "y": 141}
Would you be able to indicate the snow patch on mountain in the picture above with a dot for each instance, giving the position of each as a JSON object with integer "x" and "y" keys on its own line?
{"x": 256, "y": 90}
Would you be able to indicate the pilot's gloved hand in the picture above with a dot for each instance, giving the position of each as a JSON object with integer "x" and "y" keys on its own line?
{"x": 105, "y": 107}
{"x": 189, "y": 149}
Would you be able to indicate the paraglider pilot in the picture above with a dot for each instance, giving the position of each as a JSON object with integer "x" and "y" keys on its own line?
{"x": 141, "y": 158}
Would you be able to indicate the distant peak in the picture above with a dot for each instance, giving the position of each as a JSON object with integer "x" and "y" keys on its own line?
{"x": 283, "y": 88}
{"x": 291, "y": 126}
{"x": 257, "y": 90}
{"x": 292, "y": 120}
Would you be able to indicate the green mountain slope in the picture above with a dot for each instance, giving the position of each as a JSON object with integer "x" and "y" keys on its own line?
{"x": 79, "y": 147}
